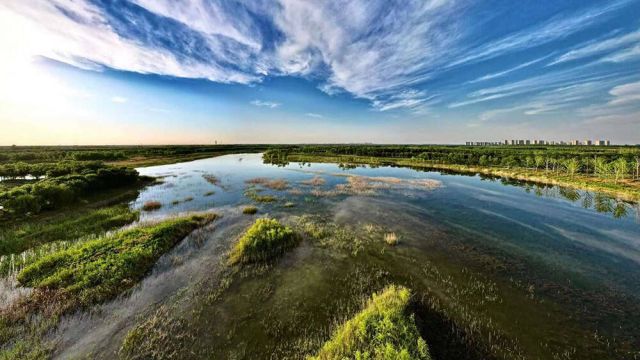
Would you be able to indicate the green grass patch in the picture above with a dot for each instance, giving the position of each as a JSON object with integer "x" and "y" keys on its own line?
{"x": 249, "y": 210}
{"x": 382, "y": 330}
{"x": 254, "y": 194}
{"x": 100, "y": 269}
{"x": 66, "y": 227}
{"x": 264, "y": 240}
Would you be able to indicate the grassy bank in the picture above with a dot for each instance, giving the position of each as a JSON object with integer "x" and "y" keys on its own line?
{"x": 622, "y": 189}
{"x": 382, "y": 330}
{"x": 83, "y": 274}
{"x": 100, "y": 269}
{"x": 64, "y": 227}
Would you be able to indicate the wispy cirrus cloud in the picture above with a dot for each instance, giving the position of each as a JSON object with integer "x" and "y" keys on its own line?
{"x": 119, "y": 99}
{"x": 600, "y": 47}
{"x": 314, "y": 115}
{"x": 390, "y": 53}
{"x": 269, "y": 104}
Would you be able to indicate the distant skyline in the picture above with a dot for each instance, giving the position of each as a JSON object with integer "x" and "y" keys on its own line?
{"x": 293, "y": 71}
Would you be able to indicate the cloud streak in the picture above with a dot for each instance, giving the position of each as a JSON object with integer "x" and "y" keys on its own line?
{"x": 393, "y": 54}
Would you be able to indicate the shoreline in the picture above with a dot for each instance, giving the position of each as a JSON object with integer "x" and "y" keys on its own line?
{"x": 623, "y": 191}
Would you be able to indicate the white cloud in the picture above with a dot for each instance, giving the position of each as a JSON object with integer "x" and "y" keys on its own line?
{"x": 269, "y": 104}
{"x": 625, "y": 94}
{"x": 599, "y": 47}
{"x": 119, "y": 99}
{"x": 505, "y": 72}
{"x": 372, "y": 49}
{"x": 315, "y": 115}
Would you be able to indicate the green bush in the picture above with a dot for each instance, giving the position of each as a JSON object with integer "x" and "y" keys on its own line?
{"x": 382, "y": 330}
{"x": 264, "y": 240}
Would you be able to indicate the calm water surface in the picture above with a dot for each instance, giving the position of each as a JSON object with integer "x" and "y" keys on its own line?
{"x": 576, "y": 248}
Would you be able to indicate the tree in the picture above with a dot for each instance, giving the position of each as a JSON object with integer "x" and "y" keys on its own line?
{"x": 572, "y": 165}
{"x": 619, "y": 167}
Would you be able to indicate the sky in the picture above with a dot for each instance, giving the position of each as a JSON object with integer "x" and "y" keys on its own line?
{"x": 76, "y": 72}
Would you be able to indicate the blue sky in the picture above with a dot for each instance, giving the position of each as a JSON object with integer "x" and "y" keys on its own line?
{"x": 282, "y": 71}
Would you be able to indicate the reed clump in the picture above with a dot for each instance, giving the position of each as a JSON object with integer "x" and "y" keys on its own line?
{"x": 264, "y": 240}
{"x": 249, "y": 210}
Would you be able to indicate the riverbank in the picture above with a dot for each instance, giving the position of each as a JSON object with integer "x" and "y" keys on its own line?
{"x": 626, "y": 190}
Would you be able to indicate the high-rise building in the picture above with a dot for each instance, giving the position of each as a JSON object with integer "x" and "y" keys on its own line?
{"x": 586, "y": 142}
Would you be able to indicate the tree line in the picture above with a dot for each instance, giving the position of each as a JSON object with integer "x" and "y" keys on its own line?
{"x": 606, "y": 162}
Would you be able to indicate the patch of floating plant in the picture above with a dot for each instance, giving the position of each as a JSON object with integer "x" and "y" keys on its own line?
{"x": 314, "y": 181}
{"x": 209, "y": 193}
{"x": 211, "y": 179}
{"x": 273, "y": 184}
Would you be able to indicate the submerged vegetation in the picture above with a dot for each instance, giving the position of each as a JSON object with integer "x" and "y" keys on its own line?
{"x": 264, "y": 240}
{"x": 384, "y": 329}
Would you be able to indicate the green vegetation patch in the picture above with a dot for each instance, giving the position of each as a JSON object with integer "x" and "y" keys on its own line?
{"x": 264, "y": 240}
{"x": 18, "y": 238}
{"x": 249, "y": 210}
{"x": 382, "y": 330}
{"x": 100, "y": 269}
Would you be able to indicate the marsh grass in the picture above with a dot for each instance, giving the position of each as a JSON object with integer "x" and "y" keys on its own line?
{"x": 382, "y": 330}
{"x": 273, "y": 184}
{"x": 211, "y": 179}
{"x": 249, "y": 210}
{"x": 264, "y": 240}
{"x": 391, "y": 239}
{"x": 315, "y": 181}
{"x": 151, "y": 205}
{"x": 254, "y": 194}
{"x": 64, "y": 227}
{"x": 100, "y": 269}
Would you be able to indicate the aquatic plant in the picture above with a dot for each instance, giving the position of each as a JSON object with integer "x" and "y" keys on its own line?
{"x": 315, "y": 181}
{"x": 211, "y": 179}
{"x": 209, "y": 193}
{"x": 391, "y": 238}
{"x": 253, "y": 194}
{"x": 151, "y": 205}
{"x": 382, "y": 330}
{"x": 264, "y": 240}
{"x": 100, "y": 269}
{"x": 249, "y": 210}
{"x": 273, "y": 184}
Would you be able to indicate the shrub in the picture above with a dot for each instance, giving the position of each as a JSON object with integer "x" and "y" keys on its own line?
{"x": 382, "y": 330}
{"x": 264, "y": 240}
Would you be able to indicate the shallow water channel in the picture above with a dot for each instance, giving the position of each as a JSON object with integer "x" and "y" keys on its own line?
{"x": 499, "y": 269}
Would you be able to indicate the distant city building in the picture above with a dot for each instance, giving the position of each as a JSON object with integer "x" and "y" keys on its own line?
{"x": 586, "y": 142}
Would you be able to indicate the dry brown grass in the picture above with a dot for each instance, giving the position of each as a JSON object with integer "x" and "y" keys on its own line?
{"x": 391, "y": 238}
{"x": 273, "y": 184}
{"x": 315, "y": 181}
